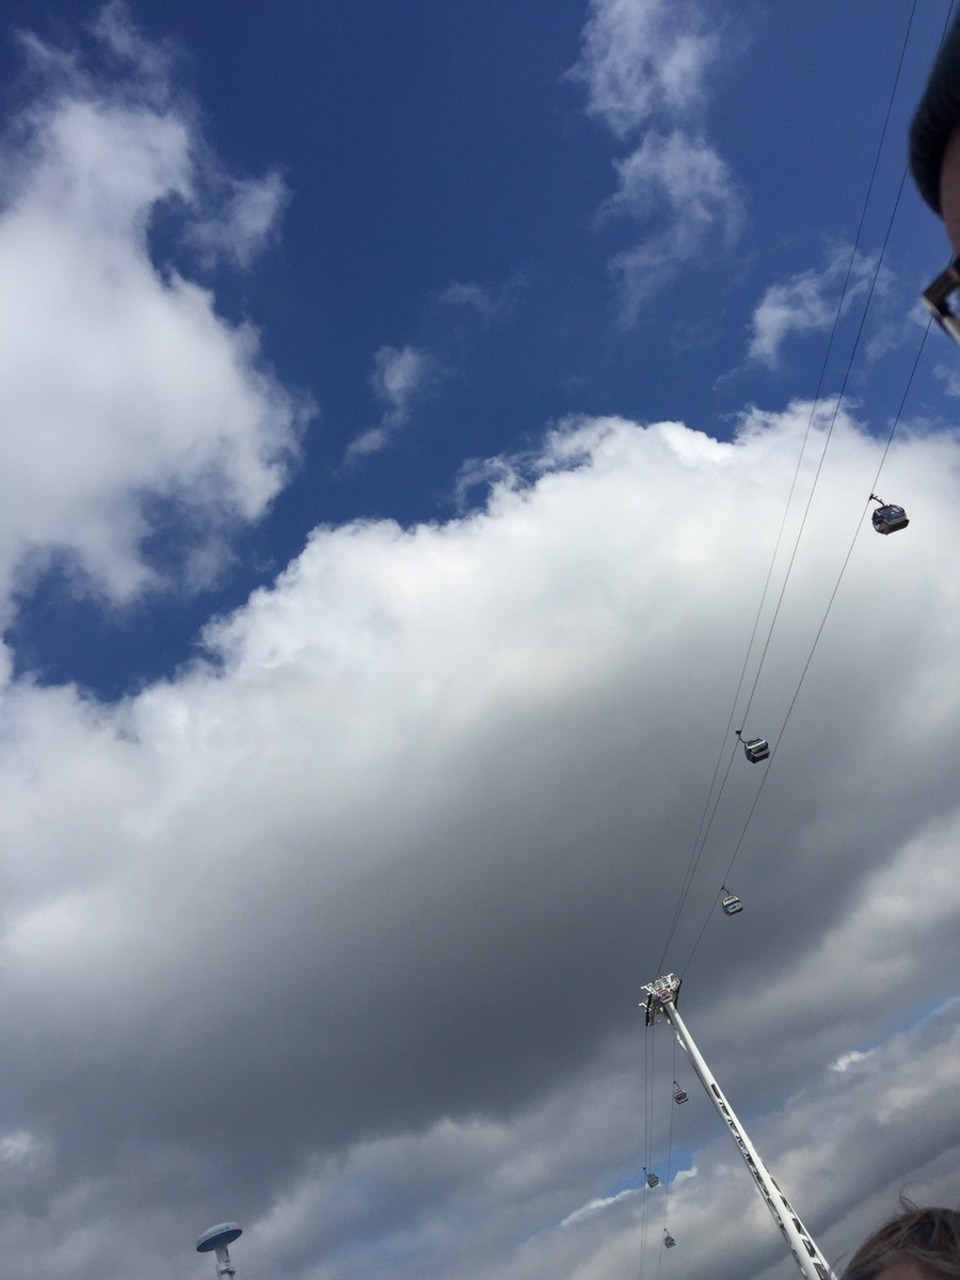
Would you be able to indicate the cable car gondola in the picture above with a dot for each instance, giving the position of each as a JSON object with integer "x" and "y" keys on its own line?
{"x": 755, "y": 749}
{"x": 679, "y": 1095}
{"x": 652, "y": 1179}
{"x": 730, "y": 903}
{"x": 888, "y": 517}
{"x": 668, "y": 1240}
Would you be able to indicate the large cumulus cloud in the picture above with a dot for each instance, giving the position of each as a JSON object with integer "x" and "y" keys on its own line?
{"x": 356, "y": 910}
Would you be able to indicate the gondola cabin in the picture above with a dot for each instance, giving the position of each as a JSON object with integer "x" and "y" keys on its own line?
{"x": 731, "y": 904}
{"x": 679, "y": 1095}
{"x": 668, "y": 1240}
{"x": 889, "y": 519}
{"x": 652, "y": 1179}
{"x": 756, "y": 749}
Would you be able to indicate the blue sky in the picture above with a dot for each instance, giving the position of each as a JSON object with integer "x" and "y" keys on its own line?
{"x": 446, "y": 194}
{"x": 402, "y": 404}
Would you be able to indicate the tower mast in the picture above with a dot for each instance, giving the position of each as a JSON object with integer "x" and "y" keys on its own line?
{"x": 662, "y": 1002}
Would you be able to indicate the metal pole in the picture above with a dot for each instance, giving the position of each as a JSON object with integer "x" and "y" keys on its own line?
{"x": 813, "y": 1265}
{"x": 224, "y": 1266}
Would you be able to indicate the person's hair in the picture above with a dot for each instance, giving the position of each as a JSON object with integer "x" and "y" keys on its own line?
{"x": 928, "y": 1237}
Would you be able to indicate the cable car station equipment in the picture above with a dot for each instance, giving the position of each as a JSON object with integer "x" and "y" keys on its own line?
{"x": 661, "y": 1002}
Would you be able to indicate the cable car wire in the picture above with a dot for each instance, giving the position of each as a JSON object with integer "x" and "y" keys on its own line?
{"x": 896, "y": 420}
{"x": 647, "y": 1141}
{"x": 820, "y": 629}
{"x": 706, "y": 822}
{"x": 709, "y": 813}
{"x": 703, "y": 833}
{"x": 839, "y": 399}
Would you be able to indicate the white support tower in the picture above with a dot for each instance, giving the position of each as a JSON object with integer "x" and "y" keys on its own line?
{"x": 662, "y": 1002}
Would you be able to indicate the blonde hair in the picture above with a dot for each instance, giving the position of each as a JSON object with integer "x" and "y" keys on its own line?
{"x": 928, "y": 1237}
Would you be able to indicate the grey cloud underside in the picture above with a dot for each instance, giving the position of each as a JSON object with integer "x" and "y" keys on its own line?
{"x": 410, "y": 849}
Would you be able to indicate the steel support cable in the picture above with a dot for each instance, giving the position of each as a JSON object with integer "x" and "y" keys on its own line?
{"x": 673, "y": 1076}
{"x": 703, "y": 832}
{"x": 647, "y": 1146}
{"x": 800, "y": 532}
{"x": 643, "y": 1206}
{"x": 651, "y": 1092}
{"x": 829, "y": 437}
{"x": 648, "y": 1105}
{"x": 823, "y": 369}
{"x": 698, "y": 851}
{"x": 903, "y": 398}
{"x": 646, "y": 1204}
{"x": 783, "y": 727}
{"x": 666, "y": 1191}
{"x": 820, "y": 629}
{"x": 879, "y": 468}
{"x": 695, "y": 862}
{"x": 806, "y": 512}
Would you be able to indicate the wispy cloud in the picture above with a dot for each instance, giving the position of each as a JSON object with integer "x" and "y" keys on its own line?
{"x": 851, "y": 1058}
{"x": 247, "y": 215}
{"x": 491, "y": 302}
{"x": 595, "y": 1206}
{"x": 399, "y": 376}
{"x": 642, "y": 60}
{"x": 808, "y": 302}
{"x": 645, "y": 64}
{"x": 684, "y": 173}
{"x": 949, "y": 378}
{"x": 685, "y": 181}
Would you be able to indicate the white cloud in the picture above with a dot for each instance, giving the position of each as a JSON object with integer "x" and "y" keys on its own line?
{"x": 808, "y": 302}
{"x": 247, "y": 213}
{"x": 469, "y": 294}
{"x": 394, "y": 841}
{"x": 488, "y": 301}
{"x": 950, "y": 379}
{"x": 399, "y": 376}
{"x": 643, "y": 59}
{"x": 690, "y": 185}
{"x": 124, "y": 384}
{"x": 685, "y": 173}
{"x": 595, "y": 1206}
{"x": 847, "y": 1060}
{"x": 645, "y": 65}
